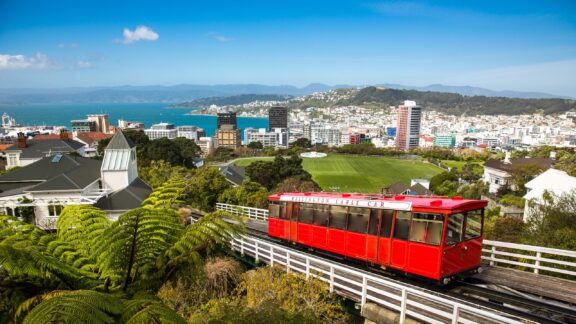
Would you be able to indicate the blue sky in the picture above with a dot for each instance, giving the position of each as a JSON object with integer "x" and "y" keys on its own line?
{"x": 518, "y": 45}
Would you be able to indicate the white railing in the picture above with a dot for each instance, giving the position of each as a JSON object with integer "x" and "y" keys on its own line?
{"x": 364, "y": 287}
{"x": 531, "y": 258}
{"x": 250, "y": 212}
{"x": 535, "y": 258}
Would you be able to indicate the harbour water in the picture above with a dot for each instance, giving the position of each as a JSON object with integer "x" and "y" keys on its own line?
{"x": 148, "y": 113}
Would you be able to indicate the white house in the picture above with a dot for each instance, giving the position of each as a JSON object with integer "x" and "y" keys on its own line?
{"x": 498, "y": 173}
{"x": 26, "y": 152}
{"x": 553, "y": 181}
{"x": 59, "y": 180}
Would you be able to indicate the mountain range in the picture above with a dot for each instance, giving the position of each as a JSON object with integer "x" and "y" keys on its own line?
{"x": 187, "y": 92}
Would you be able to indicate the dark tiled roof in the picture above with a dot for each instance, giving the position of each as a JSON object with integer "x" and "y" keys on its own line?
{"x": 542, "y": 163}
{"x": 40, "y": 148}
{"x": 396, "y": 188}
{"x": 70, "y": 173}
{"x": 420, "y": 190}
{"x": 120, "y": 142}
{"x": 234, "y": 174}
{"x": 128, "y": 198}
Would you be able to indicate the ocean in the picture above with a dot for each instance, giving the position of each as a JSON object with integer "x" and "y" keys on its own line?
{"x": 148, "y": 113}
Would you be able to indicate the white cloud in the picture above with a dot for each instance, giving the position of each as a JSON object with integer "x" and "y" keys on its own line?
{"x": 140, "y": 33}
{"x": 220, "y": 38}
{"x": 83, "y": 65}
{"x": 21, "y": 62}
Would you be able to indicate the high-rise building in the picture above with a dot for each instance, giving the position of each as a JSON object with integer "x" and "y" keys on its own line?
{"x": 162, "y": 130}
{"x": 228, "y": 136}
{"x": 102, "y": 122}
{"x": 277, "y": 117}
{"x": 408, "y": 119}
{"x": 191, "y": 132}
{"x": 228, "y": 118}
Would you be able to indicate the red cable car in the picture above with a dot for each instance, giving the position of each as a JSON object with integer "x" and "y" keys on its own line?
{"x": 433, "y": 237}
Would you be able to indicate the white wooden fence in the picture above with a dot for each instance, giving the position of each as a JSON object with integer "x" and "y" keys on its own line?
{"x": 533, "y": 258}
{"x": 528, "y": 257}
{"x": 364, "y": 287}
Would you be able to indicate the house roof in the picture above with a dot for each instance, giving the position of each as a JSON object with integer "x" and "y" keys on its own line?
{"x": 68, "y": 173}
{"x": 397, "y": 188}
{"x": 419, "y": 190}
{"x": 120, "y": 142}
{"x": 92, "y": 137}
{"x": 42, "y": 137}
{"x": 234, "y": 174}
{"x": 554, "y": 181}
{"x": 543, "y": 163}
{"x": 40, "y": 148}
{"x": 128, "y": 198}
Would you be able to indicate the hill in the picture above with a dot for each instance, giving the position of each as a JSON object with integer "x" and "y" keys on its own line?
{"x": 456, "y": 104}
{"x": 231, "y": 100}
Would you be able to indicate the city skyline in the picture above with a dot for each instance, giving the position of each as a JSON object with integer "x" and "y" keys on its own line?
{"x": 516, "y": 45}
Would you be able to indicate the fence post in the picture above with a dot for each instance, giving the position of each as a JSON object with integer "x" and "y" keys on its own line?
{"x": 256, "y": 249}
{"x": 271, "y": 255}
{"x": 288, "y": 261}
{"x": 537, "y": 264}
{"x": 492, "y": 256}
{"x": 331, "y": 279}
{"x": 403, "y": 306}
{"x": 455, "y": 314}
{"x": 364, "y": 291}
{"x": 307, "y": 267}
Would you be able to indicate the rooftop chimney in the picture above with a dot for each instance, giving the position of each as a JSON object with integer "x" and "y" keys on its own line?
{"x": 22, "y": 140}
{"x": 64, "y": 134}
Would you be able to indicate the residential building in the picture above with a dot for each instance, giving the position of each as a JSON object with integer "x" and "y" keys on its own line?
{"x": 102, "y": 122}
{"x": 191, "y": 132}
{"x": 131, "y": 125}
{"x": 498, "y": 173}
{"x": 408, "y": 121}
{"x": 161, "y": 130}
{"x": 206, "y": 144}
{"x": 227, "y": 118}
{"x": 552, "y": 181}
{"x": 25, "y": 152}
{"x": 268, "y": 139}
{"x": 445, "y": 140}
{"x": 55, "y": 181}
{"x": 356, "y": 138}
{"x": 90, "y": 141}
{"x": 325, "y": 134}
{"x": 83, "y": 125}
{"x": 228, "y": 136}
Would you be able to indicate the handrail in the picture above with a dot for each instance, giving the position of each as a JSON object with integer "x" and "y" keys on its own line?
{"x": 365, "y": 287}
{"x": 527, "y": 257}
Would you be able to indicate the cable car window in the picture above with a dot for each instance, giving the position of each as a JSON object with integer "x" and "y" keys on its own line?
{"x": 358, "y": 219}
{"x": 286, "y": 210}
{"x": 402, "y": 226}
{"x": 274, "y": 210}
{"x": 473, "y": 224}
{"x": 386, "y": 225}
{"x": 338, "y": 217}
{"x": 427, "y": 228}
{"x": 374, "y": 219}
{"x": 306, "y": 213}
{"x": 454, "y": 229}
{"x": 321, "y": 213}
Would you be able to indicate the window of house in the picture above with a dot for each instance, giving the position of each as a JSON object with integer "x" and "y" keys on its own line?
{"x": 386, "y": 224}
{"x": 306, "y": 213}
{"x": 338, "y": 217}
{"x": 54, "y": 210}
{"x": 402, "y": 225}
{"x": 358, "y": 219}
{"x": 427, "y": 228}
{"x": 454, "y": 229}
{"x": 473, "y": 224}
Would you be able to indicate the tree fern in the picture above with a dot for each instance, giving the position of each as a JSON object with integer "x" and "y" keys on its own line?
{"x": 169, "y": 194}
{"x": 76, "y": 306}
{"x": 148, "y": 309}
{"x": 129, "y": 248}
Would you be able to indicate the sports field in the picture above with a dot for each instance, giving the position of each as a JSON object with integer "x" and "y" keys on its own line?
{"x": 350, "y": 173}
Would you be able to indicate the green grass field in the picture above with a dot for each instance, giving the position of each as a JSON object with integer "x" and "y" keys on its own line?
{"x": 365, "y": 173}
{"x": 457, "y": 164}
{"x": 246, "y": 161}
{"x": 361, "y": 173}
